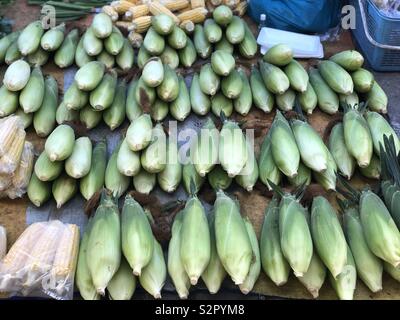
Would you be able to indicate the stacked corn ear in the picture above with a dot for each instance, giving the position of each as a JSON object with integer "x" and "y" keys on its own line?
{"x": 192, "y": 181}
{"x": 248, "y": 177}
{"x": 114, "y": 180}
{"x": 123, "y": 284}
{"x": 268, "y": 170}
{"x": 170, "y": 178}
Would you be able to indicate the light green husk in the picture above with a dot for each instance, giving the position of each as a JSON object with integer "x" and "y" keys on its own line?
{"x": 235, "y": 31}
{"x": 38, "y": 58}
{"x": 74, "y": 98}
{"x": 142, "y": 57}
{"x": 44, "y": 120}
{"x": 297, "y": 76}
{"x": 351, "y": 99}
{"x": 168, "y": 90}
{"x": 315, "y": 276}
{"x": 200, "y": 102}
{"x": 9, "y": 101}
{"x": 191, "y": 179}
{"x": 188, "y": 55}
{"x": 285, "y": 101}
{"x": 65, "y": 55}
{"x": 53, "y": 38}
{"x": 90, "y": 117}
{"x": 12, "y": 53}
{"x": 308, "y": 100}
{"x": 222, "y": 15}
{"x": 337, "y": 78}
{"x": 90, "y": 75}
{"x": 128, "y": 161}
{"x": 220, "y": 103}
{"x": 247, "y": 178}
{"x": 203, "y": 47}
{"x": 144, "y": 182}
{"x": 279, "y": 55}
{"x": 170, "y": 57}
{"x": 159, "y": 110}
{"x": 64, "y": 115}
{"x": 180, "y": 107}
{"x": 327, "y": 178}
{"x": 373, "y": 171}
{"x": 133, "y": 110}
{"x": 81, "y": 57}
{"x": 162, "y": 24}
{"x": 139, "y": 133}
{"x": 114, "y": 116}
{"x": 177, "y": 39}
{"x": 102, "y": 97}
{"x": 351, "y": 60}
{"x": 268, "y": 170}
{"x": 60, "y": 143}
{"x": 29, "y": 39}
{"x": 328, "y": 101}
{"x": 17, "y": 75}
{"x": 248, "y": 47}
{"x": 153, "y": 42}
{"x": 107, "y": 58}
{"x": 153, "y": 72}
{"x": 363, "y": 80}
{"x": 31, "y": 97}
{"x": 209, "y": 80}
{"x": 125, "y": 57}
{"x": 79, "y": 162}
{"x": 114, "y": 180}
{"x": 232, "y": 85}
{"x": 102, "y": 25}
{"x": 64, "y": 189}
{"x": 123, "y": 284}
{"x": 38, "y": 191}
{"x": 154, "y": 157}
{"x": 224, "y": 44}
{"x": 170, "y": 178}
{"x": 212, "y": 30}
{"x": 377, "y": 99}
{"x": 219, "y": 179}
{"x": 303, "y": 176}
{"x": 274, "y": 78}
{"x": 92, "y": 45}
{"x": 144, "y": 95}
{"x": 242, "y": 104}
{"x": 262, "y": 98}
{"x": 222, "y": 62}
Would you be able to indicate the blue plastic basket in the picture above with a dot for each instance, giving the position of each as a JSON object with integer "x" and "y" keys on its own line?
{"x": 377, "y": 35}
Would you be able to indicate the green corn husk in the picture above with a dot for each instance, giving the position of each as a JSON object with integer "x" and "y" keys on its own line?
{"x": 102, "y": 25}
{"x": 90, "y": 117}
{"x": 133, "y": 110}
{"x": 212, "y": 31}
{"x": 351, "y": 60}
{"x": 195, "y": 246}
{"x": 357, "y": 137}
{"x": 392, "y": 271}
{"x": 53, "y": 38}
{"x": 142, "y": 57}
{"x": 220, "y": 103}
{"x": 232, "y": 149}
{"x": 232, "y": 85}
{"x": 345, "y": 283}
{"x": 315, "y": 276}
{"x": 102, "y": 97}
{"x": 180, "y": 107}
{"x": 168, "y": 90}
{"x": 115, "y": 42}
{"x": 262, "y": 98}
{"x": 274, "y": 78}
{"x": 373, "y": 171}
{"x": 380, "y": 127}
{"x": 205, "y": 148}
{"x": 284, "y": 148}
{"x": 303, "y": 176}
{"x": 26, "y": 118}
{"x": 242, "y": 104}
{"x": 38, "y": 191}
{"x": 144, "y": 95}
{"x": 60, "y": 143}
{"x": 225, "y": 45}
{"x": 170, "y": 57}
{"x": 209, "y": 80}
{"x": 219, "y": 179}
{"x": 279, "y": 55}
{"x": 327, "y": 178}
{"x": 81, "y": 57}
{"x": 137, "y": 236}
{"x": 247, "y": 178}
{"x": 12, "y": 53}
{"x": 233, "y": 243}
{"x": 92, "y": 45}
{"x": 170, "y": 178}
{"x": 255, "y": 266}
{"x": 79, "y": 162}
{"x": 153, "y": 158}
{"x": 377, "y": 99}
{"x": 273, "y": 262}
{"x": 337, "y": 78}
{"x": 222, "y": 62}
{"x": 363, "y": 80}
{"x": 144, "y": 182}
{"x": 337, "y": 147}
{"x": 222, "y": 15}
{"x": 175, "y": 267}
{"x": 114, "y": 116}
{"x": 191, "y": 177}
{"x": 297, "y": 76}
{"x": 64, "y": 115}
{"x": 31, "y": 97}
{"x": 153, "y": 42}
{"x": 203, "y": 47}
{"x": 44, "y": 120}
{"x": 381, "y": 233}
{"x": 159, "y": 110}
{"x": 106, "y": 58}
{"x": 139, "y": 133}
{"x": 17, "y": 75}
{"x": 286, "y": 100}
{"x": 29, "y": 39}
{"x": 312, "y": 149}
{"x": 89, "y": 76}
{"x": 328, "y": 101}
{"x": 65, "y": 55}
{"x": 328, "y": 237}
{"x": 394, "y": 206}
{"x": 9, "y": 101}
{"x": 308, "y": 100}
{"x": 114, "y": 180}
{"x": 295, "y": 236}
{"x": 63, "y": 189}
{"x": 162, "y": 24}
{"x": 177, "y": 39}
{"x": 74, "y": 98}
{"x": 200, "y": 102}
{"x": 83, "y": 278}
{"x": 123, "y": 284}
{"x": 128, "y": 161}
{"x": 38, "y": 58}
{"x": 351, "y": 99}
{"x": 369, "y": 267}
{"x": 235, "y": 31}
{"x": 154, "y": 275}
{"x": 248, "y": 47}
{"x": 6, "y": 42}
{"x": 267, "y": 168}
{"x": 94, "y": 180}
{"x": 188, "y": 55}
{"x": 125, "y": 57}
{"x": 103, "y": 254}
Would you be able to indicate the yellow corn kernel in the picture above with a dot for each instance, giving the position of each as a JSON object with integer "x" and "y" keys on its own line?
{"x": 157, "y": 8}
{"x": 175, "y": 5}
{"x": 22, "y": 175}
{"x": 197, "y": 4}
{"x": 141, "y": 24}
{"x": 138, "y": 11}
{"x": 121, "y": 6}
{"x": 197, "y": 15}
{"x": 110, "y": 11}
{"x": 240, "y": 9}
{"x": 7, "y": 133}
{"x": 9, "y": 162}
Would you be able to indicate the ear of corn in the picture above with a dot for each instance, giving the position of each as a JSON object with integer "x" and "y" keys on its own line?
{"x": 17, "y": 75}
{"x": 158, "y": 9}
{"x": 22, "y": 175}
{"x": 180, "y": 107}
{"x": 12, "y": 53}
{"x": 337, "y": 78}
{"x": 114, "y": 180}
{"x": 115, "y": 42}
{"x": 200, "y": 102}
{"x": 115, "y": 114}
{"x": 351, "y": 60}
{"x": 328, "y": 100}
{"x": 81, "y": 57}
{"x": 79, "y": 162}
{"x": 351, "y": 99}
{"x": 327, "y": 233}
{"x": 38, "y": 191}
{"x": 159, "y": 110}
{"x": 274, "y": 78}
{"x": 47, "y": 170}
{"x": 233, "y": 243}
{"x": 123, "y": 284}
{"x": 315, "y": 276}
{"x": 248, "y": 47}
{"x": 139, "y": 133}
{"x": 59, "y": 145}
{"x": 279, "y": 55}
{"x": 63, "y": 189}
{"x": 248, "y": 177}
{"x": 74, "y": 98}
{"x": 11, "y": 158}
{"x": 303, "y": 176}
{"x": 373, "y": 171}
{"x": 369, "y": 267}
{"x": 153, "y": 158}
{"x": 196, "y": 15}
{"x": 170, "y": 178}
{"x": 92, "y": 45}
{"x": 38, "y": 58}
{"x": 102, "y": 25}
{"x": 223, "y": 15}
{"x": 125, "y": 57}
{"x": 191, "y": 179}
{"x": 162, "y": 24}
{"x": 297, "y": 75}
{"x": 144, "y": 95}
{"x": 9, "y": 101}
{"x": 128, "y": 161}
{"x": 64, "y": 115}
{"x": 154, "y": 275}
{"x": 212, "y": 30}
{"x": 327, "y": 178}
{"x": 29, "y": 39}
{"x": 224, "y": 44}
{"x": 286, "y": 100}
{"x": 232, "y": 85}
{"x": 235, "y": 31}
{"x": 64, "y": 56}
{"x": 222, "y": 62}
{"x": 138, "y": 11}
{"x": 6, "y": 42}
{"x": 392, "y": 271}
{"x": 89, "y": 76}
{"x": 107, "y": 59}
{"x": 153, "y": 73}
{"x": 144, "y": 182}
{"x": 168, "y": 90}
{"x": 220, "y": 103}
{"x": 219, "y": 179}
{"x": 133, "y": 110}
{"x": 53, "y": 38}
{"x": 268, "y": 170}
{"x": 263, "y": 99}
{"x": 363, "y": 80}
{"x": 26, "y": 118}
{"x": 140, "y": 24}
{"x": 90, "y": 117}
{"x": 377, "y": 99}
{"x": 188, "y": 55}
{"x": 153, "y": 42}
{"x": 103, "y": 254}
{"x": 170, "y": 57}
{"x": 242, "y": 104}
{"x": 203, "y": 47}
{"x": 209, "y": 81}
{"x": 102, "y": 97}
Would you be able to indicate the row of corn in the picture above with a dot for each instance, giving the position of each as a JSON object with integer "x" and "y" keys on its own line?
{"x": 42, "y": 261}
{"x": 16, "y": 159}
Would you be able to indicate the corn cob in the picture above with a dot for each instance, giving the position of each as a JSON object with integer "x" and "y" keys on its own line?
{"x": 170, "y": 178}
{"x": 203, "y": 47}
{"x": 328, "y": 100}
{"x": 219, "y": 179}
{"x": 74, "y": 98}
{"x": 102, "y": 25}
{"x": 248, "y": 177}
{"x": 110, "y": 11}
{"x": 26, "y": 118}
{"x": 153, "y": 42}
{"x": 63, "y": 189}
{"x": 53, "y": 38}
{"x": 13, "y": 53}
{"x": 64, "y": 56}
{"x": 138, "y": 11}
{"x": 327, "y": 178}
{"x": 297, "y": 75}
{"x": 363, "y": 80}
{"x": 274, "y": 78}
{"x": 6, "y": 42}
{"x": 106, "y": 58}
{"x": 177, "y": 39}
{"x": 222, "y": 62}
{"x": 38, "y": 58}
{"x": 57, "y": 151}
{"x": 248, "y": 47}
{"x": 243, "y": 103}
{"x": 176, "y": 5}
{"x": 89, "y": 76}
{"x": 235, "y": 31}
{"x": 22, "y": 175}
{"x": 187, "y": 26}
{"x": 3, "y": 242}
{"x": 153, "y": 158}
{"x": 373, "y": 171}
{"x": 81, "y": 57}
{"x": 162, "y": 24}
{"x": 144, "y": 182}
{"x": 220, "y": 103}
{"x": 29, "y": 39}
{"x": 222, "y": 15}
{"x": 8, "y": 130}
{"x": 197, "y": 4}
{"x": 153, "y": 72}
{"x": 9, "y": 162}
{"x": 285, "y": 101}
{"x": 197, "y": 15}
{"x": 121, "y": 6}
{"x": 64, "y": 115}
{"x": 103, "y": 95}
{"x": 263, "y": 99}
{"x": 351, "y": 99}
{"x": 170, "y": 55}
{"x": 188, "y": 55}
{"x": 123, "y": 284}
{"x": 17, "y": 75}
{"x": 268, "y": 170}
{"x": 159, "y": 110}
{"x": 392, "y": 271}
{"x": 157, "y": 8}
{"x": 114, "y": 180}
{"x": 133, "y": 110}
{"x": 139, "y": 133}
{"x": 141, "y": 24}
{"x": 200, "y": 102}
{"x": 38, "y": 191}
{"x": 377, "y": 99}
{"x": 209, "y": 81}
{"x": 315, "y": 276}
{"x": 9, "y": 101}
{"x": 79, "y": 162}
{"x": 351, "y": 60}
{"x": 180, "y": 107}
{"x": 232, "y": 85}
{"x": 337, "y": 78}
{"x": 191, "y": 178}
{"x": 115, "y": 42}
{"x": 279, "y": 55}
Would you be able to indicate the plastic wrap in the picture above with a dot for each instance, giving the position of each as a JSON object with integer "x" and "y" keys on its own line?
{"x": 10, "y": 160}
{"x": 42, "y": 262}
{"x": 390, "y": 8}
{"x": 5, "y": 182}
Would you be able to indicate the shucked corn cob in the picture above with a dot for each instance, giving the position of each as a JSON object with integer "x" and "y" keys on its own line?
{"x": 175, "y": 5}
{"x": 196, "y": 15}
{"x": 9, "y": 162}
{"x": 157, "y": 8}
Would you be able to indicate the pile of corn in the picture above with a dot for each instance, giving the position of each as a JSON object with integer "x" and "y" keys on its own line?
{"x": 101, "y": 265}
{"x": 42, "y": 260}
{"x": 16, "y": 158}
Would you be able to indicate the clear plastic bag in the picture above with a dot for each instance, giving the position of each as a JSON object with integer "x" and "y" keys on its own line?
{"x": 42, "y": 262}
